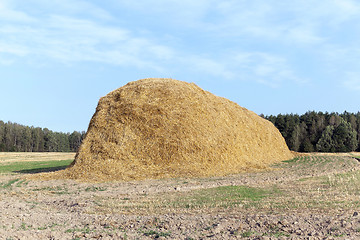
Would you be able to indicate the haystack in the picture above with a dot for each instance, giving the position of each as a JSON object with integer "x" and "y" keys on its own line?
{"x": 160, "y": 128}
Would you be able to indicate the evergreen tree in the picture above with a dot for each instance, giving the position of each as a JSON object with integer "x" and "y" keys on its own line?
{"x": 318, "y": 131}
{"x": 307, "y": 146}
{"x": 37, "y": 136}
{"x": 75, "y": 140}
{"x": 16, "y": 137}
{"x": 50, "y": 141}
{"x": 335, "y": 119}
{"x": 2, "y": 134}
{"x": 10, "y": 137}
{"x": 280, "y": 123}
{"x": 25, "y": 140}
{"x": 290, "y": 124}
{"x": 326, "y": 142}
{"x": 295, "y": 140}
{"x": 345, "y": 137}
{"x": 353, "y": 122}
{"x": 63, "y": 142}
{"x": 358, "y": 130}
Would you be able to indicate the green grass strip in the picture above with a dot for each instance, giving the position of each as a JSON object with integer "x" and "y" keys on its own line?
{"x": 224, "y": 196}
{"x": 8, "y": 184}
{"x": 34, "y": 166}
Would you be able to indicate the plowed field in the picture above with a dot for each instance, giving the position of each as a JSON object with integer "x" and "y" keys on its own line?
{"x": 313, "y": 196}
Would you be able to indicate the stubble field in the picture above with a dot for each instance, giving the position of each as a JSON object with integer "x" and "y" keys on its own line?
{"x": 314, "y": 196}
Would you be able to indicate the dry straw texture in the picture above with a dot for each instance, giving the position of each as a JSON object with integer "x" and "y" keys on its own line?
{"x": 159, "y": 128}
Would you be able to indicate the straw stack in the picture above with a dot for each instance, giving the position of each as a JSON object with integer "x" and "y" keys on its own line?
{"x": 165, "y": 128}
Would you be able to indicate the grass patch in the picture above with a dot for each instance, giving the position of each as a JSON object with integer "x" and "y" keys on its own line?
{"x": 247, "y": 234}
{"x": 25, "y": 226}
{"x": 297, "y": 161}
{"x": 303, "y": 164}
{"x": 346, "y": 182}
{"x": 59, "y": 190}
{"x": 225, "y": 197}
{"x": 203, "y": 200}
{"x": 333, "y": 191}
{"x": 34, "y": 166}
{"x": 22, "y": 182}
{"x": 9, "y": 184}
{"x": 82, "y": 230}
{"x": 294, "y": 160}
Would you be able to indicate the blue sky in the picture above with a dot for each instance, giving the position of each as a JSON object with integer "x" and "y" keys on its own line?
{"x": 57, "y": 58}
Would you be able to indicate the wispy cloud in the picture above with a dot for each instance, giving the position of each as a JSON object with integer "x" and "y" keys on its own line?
{"x": 187, "y": 13}
{"x": 299, "y": 22}
{"x": 344, "y": 10}
{"x": 206, "y": 65}
{"x": 8, "y": 14}
{"x": 69, "y": 39}
{"x": 264, "y": 37}
{"x": 268, "y": 20}
{"x": 13, "y": 49}
{"x": 265, "y": 68}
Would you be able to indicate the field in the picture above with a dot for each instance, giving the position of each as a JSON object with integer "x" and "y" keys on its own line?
{"x": 314, "y": 196}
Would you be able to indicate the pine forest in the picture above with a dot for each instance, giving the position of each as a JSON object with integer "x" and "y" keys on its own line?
{"x": 309, "y": 132}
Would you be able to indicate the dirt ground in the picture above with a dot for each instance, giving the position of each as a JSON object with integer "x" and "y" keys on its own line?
{"x": 311, "y": 197}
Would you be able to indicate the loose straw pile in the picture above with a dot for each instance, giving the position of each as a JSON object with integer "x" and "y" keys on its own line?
{"x": 164, "y": 128}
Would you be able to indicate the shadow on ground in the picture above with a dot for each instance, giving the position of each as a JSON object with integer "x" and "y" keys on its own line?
{"x": 41, "y": 170}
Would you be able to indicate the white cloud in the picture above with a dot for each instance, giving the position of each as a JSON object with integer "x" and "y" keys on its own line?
{"x": 342, "y": 63}
{"x": 8, "y": 14}
{"x": 43, "y": 8}
{"x": 175, "y": 11}
{"x": 208, "y": 66}
{"x": 345, "y": 10}
{"x": 304, "y": 34}
{"x": 297, "y": 22}
{"x": 70, "y": 39}
{"x": 256, "y": 40}
{"x": 84, "y": 30}
{"x": 265, "y": 68}
{"x": 13, "y": 49}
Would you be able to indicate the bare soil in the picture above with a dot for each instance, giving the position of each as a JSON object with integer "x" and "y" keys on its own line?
{"x": 312, "y": 197}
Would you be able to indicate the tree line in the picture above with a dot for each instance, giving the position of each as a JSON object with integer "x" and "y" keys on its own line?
{"x": 19, "y": 138}
{"x": 319, "y": 132}
{"x": 310, "y": 132}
